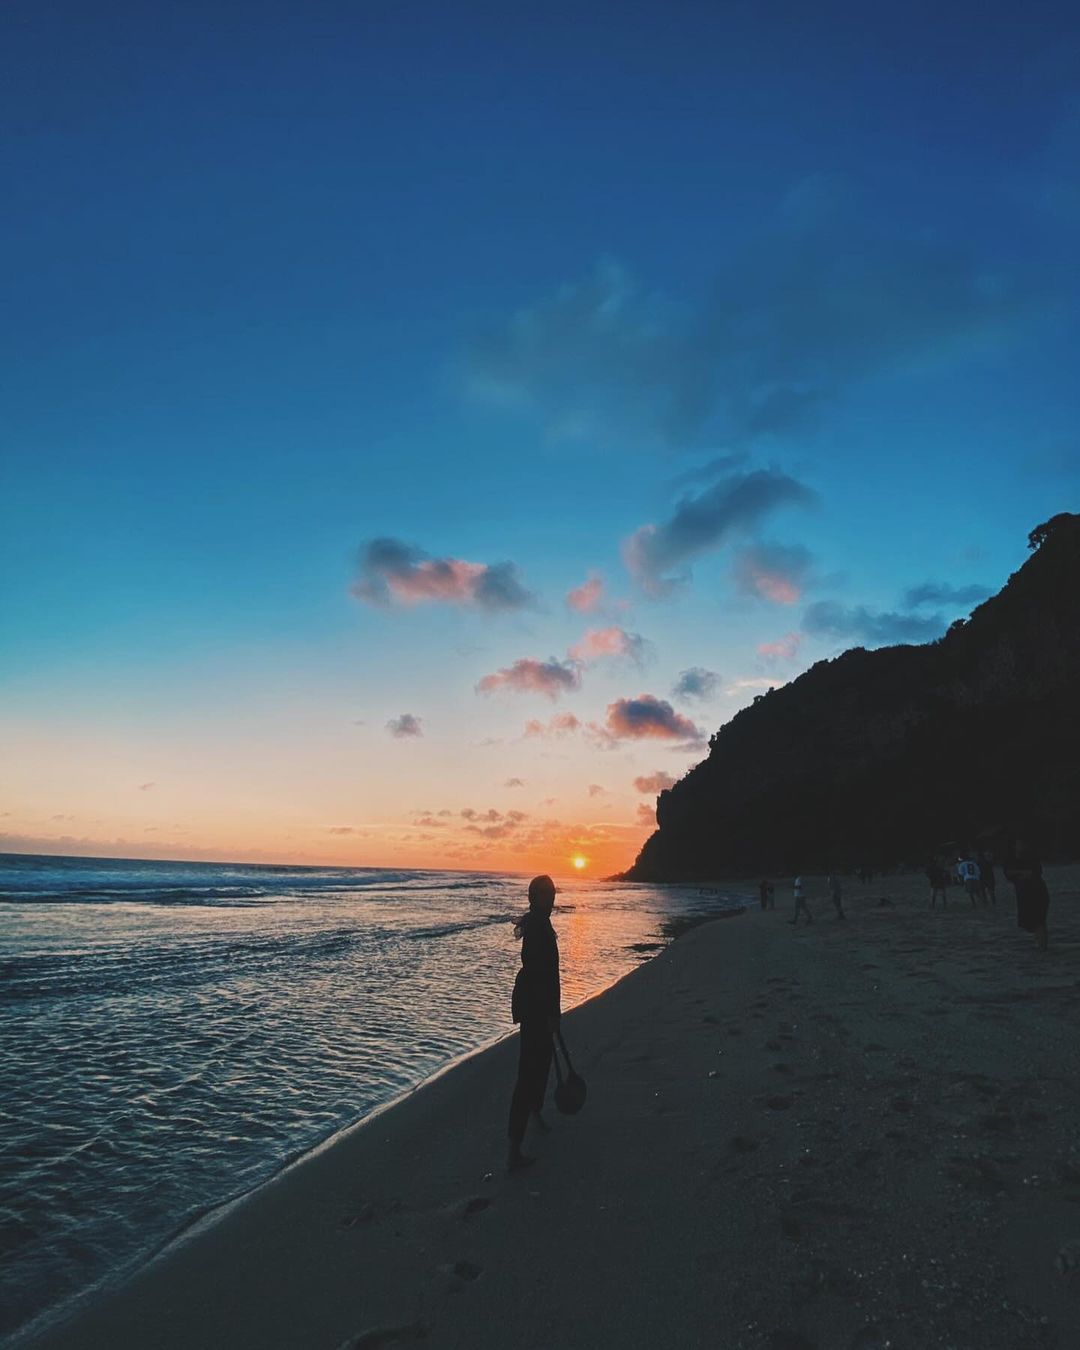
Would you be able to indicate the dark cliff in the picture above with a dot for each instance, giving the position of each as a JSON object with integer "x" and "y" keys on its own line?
{"x": 881, "y": 757}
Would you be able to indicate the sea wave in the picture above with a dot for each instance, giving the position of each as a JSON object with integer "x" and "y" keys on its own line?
{"x": 170, "y": 1033}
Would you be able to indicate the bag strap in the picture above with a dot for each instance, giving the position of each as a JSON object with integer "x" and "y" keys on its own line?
{"x": 562, "y": 1046}
{"x": 555, "y": 1061}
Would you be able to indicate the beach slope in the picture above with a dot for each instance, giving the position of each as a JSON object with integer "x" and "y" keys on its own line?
{"x": 856, "y": 1134}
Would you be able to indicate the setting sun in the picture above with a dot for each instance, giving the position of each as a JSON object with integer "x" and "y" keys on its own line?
{"x": 580, "y": 862}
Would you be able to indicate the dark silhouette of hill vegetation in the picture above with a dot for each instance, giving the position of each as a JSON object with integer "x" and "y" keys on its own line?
{"x": 880, "y": 757}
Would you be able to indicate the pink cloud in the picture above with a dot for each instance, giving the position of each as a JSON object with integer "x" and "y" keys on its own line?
{"x": 529, "y": 676}
{"x": 147, "y": 787}
{"x": 392, "y": 572}
{"x": 783, "y": 649}
{"x": 773, "y": 572}
{"x": 596, "y": 790}
{"x": 646, "y": 815}
{"x": 586, "y": 598}
{"x": 654, "y": 782}
{"x": 648, "y": 718}
{"x": 600, "y": 643}
{"x": 562, "y": 724}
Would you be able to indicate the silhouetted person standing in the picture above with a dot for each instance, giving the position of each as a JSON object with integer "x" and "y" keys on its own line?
{"x": 800, "y": 903}
{"x": 986, "y": 876}
{"x": 1022, "y": 867}
{"x": 836, "y": 891}
{"x": 939, "y": 880}
{"x": 535, "y": 1005}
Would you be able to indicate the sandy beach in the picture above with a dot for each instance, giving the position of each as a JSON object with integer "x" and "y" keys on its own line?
{"x": 848, "y": 1135}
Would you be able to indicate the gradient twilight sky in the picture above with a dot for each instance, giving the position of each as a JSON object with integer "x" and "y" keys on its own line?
{"x": 343, "y": 341}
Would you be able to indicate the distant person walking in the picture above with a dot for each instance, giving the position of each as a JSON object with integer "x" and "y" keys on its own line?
{"x": 765, "y": 890}
{"x": 837, "y": 894}
{"x": 1023, "y": 868}
{"x": 939, "y": 881}
{"x": 536, "y": 1007}
{"x": 800, "y": 903}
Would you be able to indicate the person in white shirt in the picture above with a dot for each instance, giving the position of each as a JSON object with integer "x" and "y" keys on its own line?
{"x": 800, "y": 903}
{"x": 967, "y": 869}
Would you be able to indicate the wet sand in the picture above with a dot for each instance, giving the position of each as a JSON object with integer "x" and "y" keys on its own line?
{"x": 848, "y": 1135}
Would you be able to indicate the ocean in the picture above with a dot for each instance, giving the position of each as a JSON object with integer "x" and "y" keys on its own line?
{"x": 172, "y": 1034}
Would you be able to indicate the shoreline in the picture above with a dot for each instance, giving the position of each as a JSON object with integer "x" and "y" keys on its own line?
{"x": 203, "y": 1220}
{"x": 414, "y": 1226}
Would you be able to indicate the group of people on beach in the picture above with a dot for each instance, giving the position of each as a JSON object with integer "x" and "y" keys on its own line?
{"x": 975, "y": 872}
{"x": 767, "y": 895}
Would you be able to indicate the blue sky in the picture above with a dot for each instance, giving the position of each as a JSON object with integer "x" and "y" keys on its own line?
{"x": 504, "y": 284}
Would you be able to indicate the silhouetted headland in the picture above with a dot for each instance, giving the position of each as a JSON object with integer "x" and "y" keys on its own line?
{"x": 884, "y": 755}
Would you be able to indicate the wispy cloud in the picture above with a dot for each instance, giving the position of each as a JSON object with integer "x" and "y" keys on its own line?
{"x": 599, "y": 644}
{"x": 492, "y": 824}
{"x": 514, "y": 783}
{"x": 760, "y": 682}
{"x": 597, "y": 790}
{"x": 562, "y": 724}
{"x": 588, "y": 597}
{"x": 147, "y": 787}
{"x": 876, "y": 627}
{"x": 658, "y": 556}
{"x": 941, "y": 593}
{"x": 825, "y": 299}
{"x": 600, "y": 360}
{"x": 530, "y": 676}
{"x": 697, "y": 682}
{"x": 654, "y": 782}
{"x": 785, "y": 648}
{"x": 395, "y": 573}
{"x": 406, "y": 726}
{"x": 776, "y": 572}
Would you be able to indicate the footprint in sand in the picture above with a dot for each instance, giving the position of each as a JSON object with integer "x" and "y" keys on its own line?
{"x": 741, "y": 1143}
{"x": 789, "y": 1340}
{"x": 363, "y": 1215}
{"x": 476, "y": 1204}
{"x": 779, "y": 1103}
{"x": 466, "y": 1270}
{"x": 378, "y": 1337}
{"x": 1068, "y": 1257}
